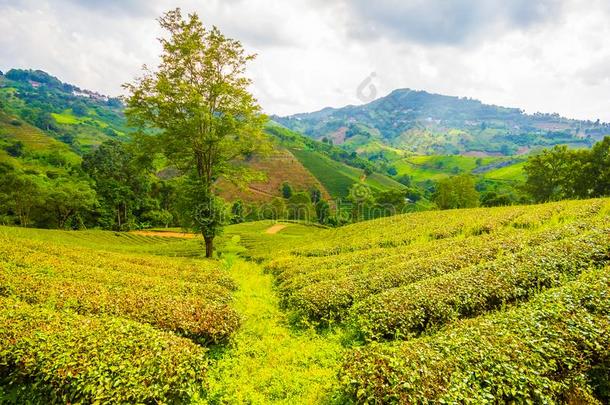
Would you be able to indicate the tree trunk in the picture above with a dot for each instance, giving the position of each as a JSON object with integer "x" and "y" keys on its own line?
{"x": 209, "y": 246}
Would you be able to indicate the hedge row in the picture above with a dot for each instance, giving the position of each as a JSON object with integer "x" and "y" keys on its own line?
{"x": 437, "y": 225}
{"x": 554, "y": 349}
{"x": 329, "y": 300}
{"x": 326, "y": 295}
{"x": 165, "y": 297}
{"x": 49, "y": 356}
{"x": 27, "y": 251}
{"x": 412, "y": 309}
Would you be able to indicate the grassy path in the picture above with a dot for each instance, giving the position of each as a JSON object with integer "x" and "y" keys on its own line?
{"x": 269, "y": 362}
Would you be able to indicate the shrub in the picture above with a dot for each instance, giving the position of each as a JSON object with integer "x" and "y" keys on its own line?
{"x": 192, "y": 302}
{"x": 60, "y": 357}
{"x": 547, "y": 351}
{"x": 410, "y": 310}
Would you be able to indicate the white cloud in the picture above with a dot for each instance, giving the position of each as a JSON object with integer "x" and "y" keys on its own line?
{"x": 544, "y": 55}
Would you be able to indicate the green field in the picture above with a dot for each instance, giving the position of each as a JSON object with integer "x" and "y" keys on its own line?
{"x": 511, "y": 173}
{"x": 484, "y": 305}
{"x": 436, "y": 167}
{"x": 337, "y": 177}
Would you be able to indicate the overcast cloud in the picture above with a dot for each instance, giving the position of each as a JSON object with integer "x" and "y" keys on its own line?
{"x": 544, "y": 55}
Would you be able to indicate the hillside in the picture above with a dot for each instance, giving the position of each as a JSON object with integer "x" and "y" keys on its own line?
{"x": 282, "y": 166}
{"x": 27, "y": 147}
{"x": 448, "y": 306}
{"x": 77, "y": 117}
{"x": 434, "y": 167}
{"x": 519, "y": 311}
{"x": 425, "y": 123}
{"x": 59, "y": 119}
{"x": 336, "y": 169}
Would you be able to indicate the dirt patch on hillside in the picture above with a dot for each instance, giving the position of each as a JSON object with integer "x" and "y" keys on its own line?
{"x": 275, "y": 229}
{"x": 167, "y": 234}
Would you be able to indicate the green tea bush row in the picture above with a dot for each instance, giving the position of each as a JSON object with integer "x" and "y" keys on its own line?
{"x": 329, "y": 300}
{"x": 204, "y": 320}
{"x": 38, "y": 273}
{"x": 49, "y": 356}
{"x": 21, "y": 249}
{"x": 438, "y": 225}
{"x": 554, "y": 349}
{"x": 435, "y": 225}
{"x": 289, "y": 267}
{"x": 326, "y": 295}
{"x": 412, "y": 309}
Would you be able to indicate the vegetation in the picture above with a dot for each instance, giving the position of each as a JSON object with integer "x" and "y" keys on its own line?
{"x": 136, "y": 323}
{"x": 58, "y": 356}
{"x": 475, "y": 264}
{"x": 561, "y": 173}
{"x": 194, "y": 304}
{"x": 456, "y": 192}
{"x": 323, "y": 281}
{"x": 517, "y": 271}
{"x": 432, "y": 124}
{"x": 552, "y": 349}
{"x": 199, "y": 100}
{"x": 68, "y": 114}
{"x": 366, "y": 267}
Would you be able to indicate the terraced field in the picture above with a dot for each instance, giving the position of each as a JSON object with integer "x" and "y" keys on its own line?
{"x": 337, "y": 178}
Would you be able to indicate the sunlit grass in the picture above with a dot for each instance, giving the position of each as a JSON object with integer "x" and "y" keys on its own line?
{"x": 268, "y": 361}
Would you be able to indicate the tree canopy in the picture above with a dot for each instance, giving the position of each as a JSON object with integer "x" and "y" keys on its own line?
{"x": 197, "y": 104}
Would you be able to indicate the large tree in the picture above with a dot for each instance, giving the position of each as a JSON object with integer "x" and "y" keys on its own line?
{"x": 198, "y": 103}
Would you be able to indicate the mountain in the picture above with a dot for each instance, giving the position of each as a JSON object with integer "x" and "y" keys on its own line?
{"x": 46, "y": 125}
{"x": 431, "y": 124}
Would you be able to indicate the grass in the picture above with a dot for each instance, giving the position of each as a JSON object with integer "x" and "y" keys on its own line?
{"x": 255, "y": 243}
{"x": 268, "y": 361}
{"x": 435, "y": 167}
{"x": 117, "y": 241}
{"x": 66, "y": 118}
{"x": 513, "y": 173}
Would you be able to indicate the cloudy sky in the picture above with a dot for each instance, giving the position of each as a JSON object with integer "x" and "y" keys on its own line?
{"x": 540, "y": 55}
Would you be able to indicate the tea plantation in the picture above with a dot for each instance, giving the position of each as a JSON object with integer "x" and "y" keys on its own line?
{"x": 485, "y": 305}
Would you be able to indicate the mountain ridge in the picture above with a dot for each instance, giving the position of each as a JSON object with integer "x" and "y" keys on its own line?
{"x": 420, "y": 122}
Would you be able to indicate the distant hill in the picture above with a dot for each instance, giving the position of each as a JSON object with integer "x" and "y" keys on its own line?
{"x": 79, "y": 118}
{"x": 335, "y": 168}
{"x": 46, "y": 124}
{"x": 423, "y": 123}
{"x": 27, "y": 147}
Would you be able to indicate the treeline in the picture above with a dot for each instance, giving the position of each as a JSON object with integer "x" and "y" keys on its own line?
{"x": 310, "y": 206}
{"x": 554, "y": 174}
{"x": 112, "y": 188}
{"x": 561, "y": 173}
